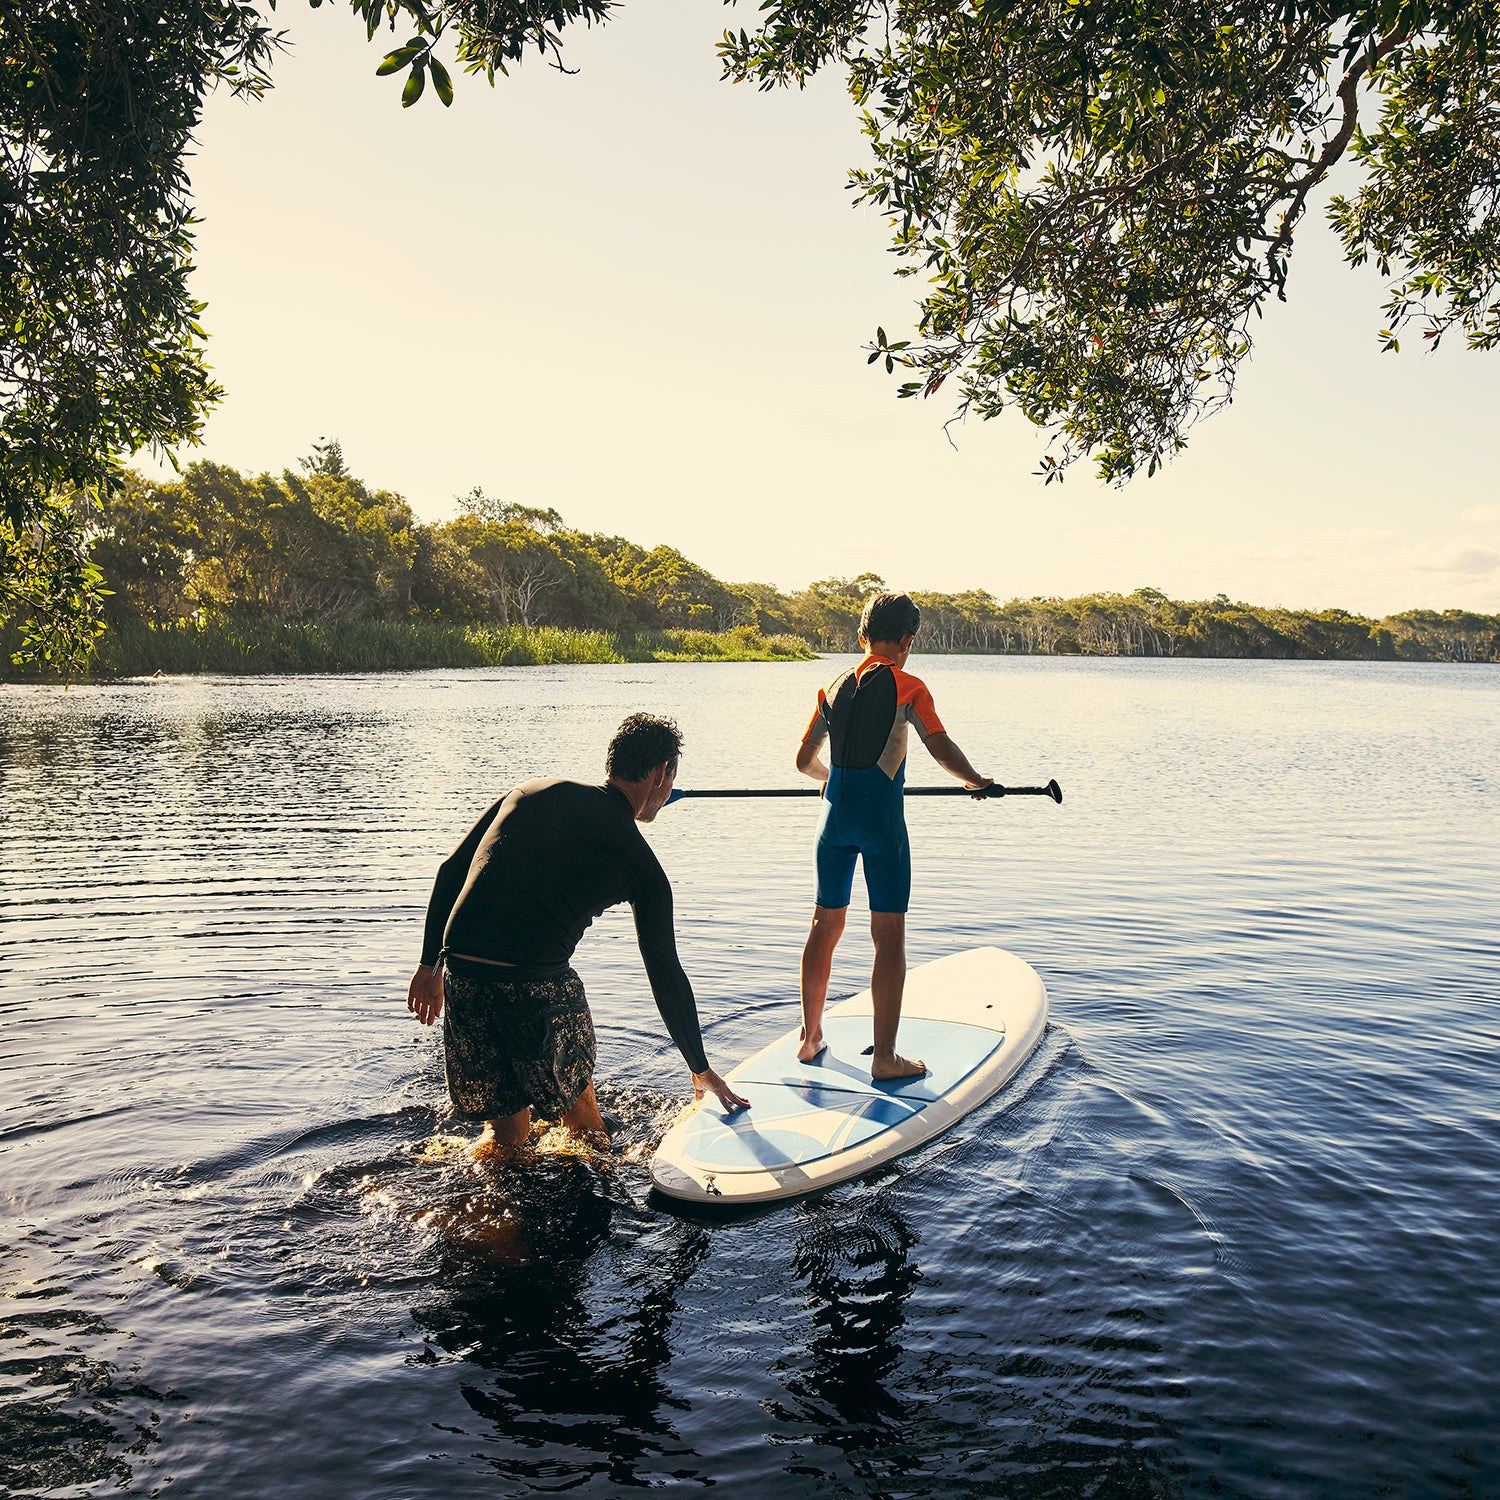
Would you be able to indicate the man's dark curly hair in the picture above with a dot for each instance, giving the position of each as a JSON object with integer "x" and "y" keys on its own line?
{"x": 641, "y": 744}
{"x": 889, "y": 617}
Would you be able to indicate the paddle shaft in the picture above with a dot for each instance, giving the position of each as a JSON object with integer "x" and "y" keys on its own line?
{"x": 1051, "y": 790}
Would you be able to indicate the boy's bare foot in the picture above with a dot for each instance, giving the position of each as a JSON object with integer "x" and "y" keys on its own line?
{"x": 883, "y": 1069}
{"x": 811, "y": 1045}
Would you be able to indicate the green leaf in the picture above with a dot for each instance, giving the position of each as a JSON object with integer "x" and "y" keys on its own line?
{"x": 441, "y": 81}
{"x": 393, "y": 62}
{"x": 414, "y": 86}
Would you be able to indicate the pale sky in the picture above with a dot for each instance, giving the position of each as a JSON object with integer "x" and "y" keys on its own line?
{"x": 638, "y": 295}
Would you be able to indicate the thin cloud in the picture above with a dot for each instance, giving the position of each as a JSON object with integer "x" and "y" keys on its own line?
{"x": 1111, "y": 532}
{"x": 1274, "y": 552}
{"x": 1458, "y": 557}
{"x": 1364, "y": 536}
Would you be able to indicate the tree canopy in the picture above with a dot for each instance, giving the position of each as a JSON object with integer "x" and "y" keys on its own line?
{"x": 218, "y": 550}
{"x": 321, "y": 545}
{"x": 101, "y": 351}
{"x": 1103, "y": 194}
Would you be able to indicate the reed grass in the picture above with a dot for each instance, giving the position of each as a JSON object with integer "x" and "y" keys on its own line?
{"x": 740, "y": 644}
{"x": 243, "y": 648}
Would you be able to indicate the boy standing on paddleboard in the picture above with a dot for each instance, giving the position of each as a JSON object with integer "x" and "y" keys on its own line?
{"x": 864, "y": 714}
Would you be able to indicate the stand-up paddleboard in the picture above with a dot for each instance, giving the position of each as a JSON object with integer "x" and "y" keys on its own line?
{"x": 972, "y": 1017}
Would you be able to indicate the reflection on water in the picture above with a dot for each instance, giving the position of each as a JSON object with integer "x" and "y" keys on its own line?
{"x": 854, "y": 1265}
{"x": 1001, "y": 1381}
{"x": 68, "y": 1421}
{"x": 1229, "y": 1232}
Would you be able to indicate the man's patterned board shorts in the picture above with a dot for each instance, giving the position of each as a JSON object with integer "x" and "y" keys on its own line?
{"x": 513, "y": 1044}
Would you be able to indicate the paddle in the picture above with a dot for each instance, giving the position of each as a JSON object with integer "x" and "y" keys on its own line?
{"x": 1051, "y": 790}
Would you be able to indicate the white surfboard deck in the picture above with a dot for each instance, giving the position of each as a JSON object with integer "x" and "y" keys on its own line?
{"x": 973, "y": 1018}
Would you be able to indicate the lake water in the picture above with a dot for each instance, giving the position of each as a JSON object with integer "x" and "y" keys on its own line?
{"x": 1231, "y": 1232}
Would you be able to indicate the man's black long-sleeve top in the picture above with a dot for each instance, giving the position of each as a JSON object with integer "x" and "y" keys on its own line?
{"x": 534, "y": 872}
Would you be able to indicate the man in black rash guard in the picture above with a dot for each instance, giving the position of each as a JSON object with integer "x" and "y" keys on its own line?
{"x": 507, "y": 910}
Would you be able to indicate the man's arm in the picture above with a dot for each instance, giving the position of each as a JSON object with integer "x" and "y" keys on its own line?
{"x": 424, "y": 995}
{"x": 669, "y": 983}
{"x": 942, "y": 749}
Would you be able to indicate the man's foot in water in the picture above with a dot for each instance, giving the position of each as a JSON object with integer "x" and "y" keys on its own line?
{"x": 502, "y": 1135}
{"x": 893, "y": 1065}
{"x": 595, "y": 1140}
{"x": 487, "y": 1146}
{"x": 811, "y": 1046}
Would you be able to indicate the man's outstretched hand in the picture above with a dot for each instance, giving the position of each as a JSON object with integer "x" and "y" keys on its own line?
{"x": 709, "y": 1082}
{"x": 424, "y": 996}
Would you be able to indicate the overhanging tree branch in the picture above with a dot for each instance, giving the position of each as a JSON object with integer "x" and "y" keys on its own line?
{"x": 1348, "y": 97}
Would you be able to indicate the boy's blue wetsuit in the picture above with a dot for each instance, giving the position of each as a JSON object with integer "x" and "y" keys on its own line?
{"x": 863, "y": 714}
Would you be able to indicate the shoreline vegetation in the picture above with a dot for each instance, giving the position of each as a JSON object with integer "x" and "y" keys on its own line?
{"x": 313, "y": 571}
{"x": 253, "y": 648}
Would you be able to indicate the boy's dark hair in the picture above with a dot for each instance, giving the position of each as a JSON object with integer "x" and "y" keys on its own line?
{"x": 888, "y": 617}
{"x": 641, "y": 744}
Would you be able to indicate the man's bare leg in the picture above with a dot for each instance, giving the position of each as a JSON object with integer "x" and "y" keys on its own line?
{"x": 508, "y": 1130}
{"x": 584, "y": 1117}
{"x": 888, "y": 929}
{"x": 817, "y": 965}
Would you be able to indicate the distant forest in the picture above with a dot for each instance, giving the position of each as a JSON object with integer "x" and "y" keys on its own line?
{"x": 321, "y": 546}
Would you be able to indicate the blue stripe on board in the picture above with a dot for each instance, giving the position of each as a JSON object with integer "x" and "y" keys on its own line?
{"x": 803, "y": 1112}
{"x": 950, "y": 1049}
{"x": 794, "y": 1124}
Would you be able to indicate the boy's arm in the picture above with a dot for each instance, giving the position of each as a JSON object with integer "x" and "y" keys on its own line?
{"x": 809, "y": 762}
{"x": 451, "y": 875}
{"x": 923, "y": 714}
{"x": 942, "y": 749}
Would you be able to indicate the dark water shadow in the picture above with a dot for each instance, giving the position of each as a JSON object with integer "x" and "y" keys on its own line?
{"x": 558, "y": 1298}
{"x": 70, "y": 1422}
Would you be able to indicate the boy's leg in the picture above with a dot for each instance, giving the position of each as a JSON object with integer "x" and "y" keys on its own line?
{"x": 888, "y": 879}
{"x": 570, "y": 1067}
{"x": 835, "y": 858}
{"x": 888, "y": 929}
{"x": 817, "y": 965}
